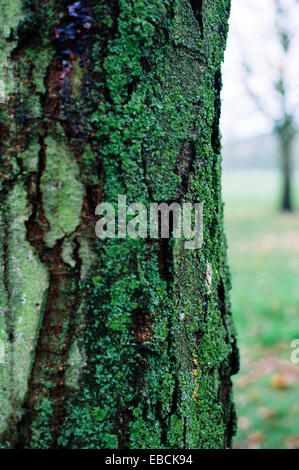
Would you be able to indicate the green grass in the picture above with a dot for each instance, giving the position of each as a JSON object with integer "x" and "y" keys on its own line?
{"x": 264, "y": 261}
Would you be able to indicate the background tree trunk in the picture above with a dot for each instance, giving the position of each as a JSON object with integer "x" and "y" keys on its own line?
{"x": 286, "y": 163}
{"x": 286, "y": 134}
{"x": 116, "y": 343}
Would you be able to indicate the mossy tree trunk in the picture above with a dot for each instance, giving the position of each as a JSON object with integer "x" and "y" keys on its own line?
{"x": 116, "y": 343}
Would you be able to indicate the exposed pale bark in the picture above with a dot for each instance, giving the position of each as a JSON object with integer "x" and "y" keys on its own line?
{"x": 116, "y": 343}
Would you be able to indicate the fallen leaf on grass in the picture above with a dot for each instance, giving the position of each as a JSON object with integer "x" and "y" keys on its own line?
{"x": 253, "y": 441}
{"x": 266, "y": 413}
{"x": 257, "y": 436}
{"x": 292, "y": 442}
{"x": 282, "y": 380}
{"x": 243, "y": 422}
{"x": 287, "y": 373}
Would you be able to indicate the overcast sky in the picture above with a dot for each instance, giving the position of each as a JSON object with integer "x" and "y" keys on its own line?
{"x": 253, "y": 40}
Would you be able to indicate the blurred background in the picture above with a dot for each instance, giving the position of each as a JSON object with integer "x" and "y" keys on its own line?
{"x": 260, "y": 122}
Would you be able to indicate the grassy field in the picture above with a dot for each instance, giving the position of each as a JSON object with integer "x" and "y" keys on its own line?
{"x": 264, "y": 260}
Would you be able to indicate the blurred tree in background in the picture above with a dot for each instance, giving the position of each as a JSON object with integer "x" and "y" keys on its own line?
{"x": 285, "y": 127}
{"x": 261, "y": 89}
{"x": 281, "y": 110}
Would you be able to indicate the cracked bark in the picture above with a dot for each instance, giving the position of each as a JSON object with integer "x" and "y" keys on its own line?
{"x": 126, "y": 346}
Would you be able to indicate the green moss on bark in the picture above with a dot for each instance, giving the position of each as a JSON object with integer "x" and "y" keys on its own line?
{"x": 144, "y": 341}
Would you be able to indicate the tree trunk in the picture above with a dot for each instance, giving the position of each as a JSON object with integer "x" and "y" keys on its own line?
{"x": 118, "y": 342}
{"x": 286, "y": 155}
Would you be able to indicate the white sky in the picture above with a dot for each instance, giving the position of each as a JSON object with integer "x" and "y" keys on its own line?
{"x": 253, "y": 40}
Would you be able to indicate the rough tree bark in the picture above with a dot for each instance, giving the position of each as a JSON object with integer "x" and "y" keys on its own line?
{"x": 119, "y": 343}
